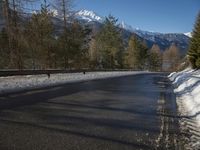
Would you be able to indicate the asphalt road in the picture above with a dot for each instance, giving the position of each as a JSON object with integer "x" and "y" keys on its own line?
{"x": 133, "y": 112}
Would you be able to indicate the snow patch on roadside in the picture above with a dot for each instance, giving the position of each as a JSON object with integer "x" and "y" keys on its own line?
{"x": 187, "y": 89}
{"x": 19, "y": 83}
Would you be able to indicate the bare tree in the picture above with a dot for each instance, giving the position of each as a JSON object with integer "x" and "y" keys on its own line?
{"x": 171, "y": 58}
{"x": 63, "y": 9}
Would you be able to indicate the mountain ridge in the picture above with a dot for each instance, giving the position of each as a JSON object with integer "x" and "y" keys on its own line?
{"x": 91, "y": 15}
{"x": 163, "y": 40}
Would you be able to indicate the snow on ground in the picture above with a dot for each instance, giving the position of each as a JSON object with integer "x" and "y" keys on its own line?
{"x": 187, "y": 89}
{"x": 19, "y": 83}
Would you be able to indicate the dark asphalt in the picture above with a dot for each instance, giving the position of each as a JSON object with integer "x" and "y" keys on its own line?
{"x": 133, "y": 112}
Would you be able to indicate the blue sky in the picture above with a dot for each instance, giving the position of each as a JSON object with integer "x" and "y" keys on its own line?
{"x": 166, "y": 16}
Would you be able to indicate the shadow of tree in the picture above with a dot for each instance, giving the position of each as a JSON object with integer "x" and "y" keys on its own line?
{"x": 128, "y": 106}
{"x": 84, "y": 135}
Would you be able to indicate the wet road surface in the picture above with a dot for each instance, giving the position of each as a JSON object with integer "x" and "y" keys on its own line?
{"x": 132, "y": 112}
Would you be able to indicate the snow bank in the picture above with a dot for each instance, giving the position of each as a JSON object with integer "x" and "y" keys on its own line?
{"x": 18, "y": 83}
{"x": 187, "y": 89}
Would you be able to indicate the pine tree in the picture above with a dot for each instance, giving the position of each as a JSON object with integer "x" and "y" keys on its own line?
{"x": 143, "y": 55}
{"x": 63, "y": 8}
{"x": 137, "y": 53}
{"x": 194, "y": 49}
{"x": 133, "y": 52}
{"x": 64, "y": 48}
{"x": 11, "y": 22}
{"x": 4, "y": 49}
{"x": 155, "y": 58}
{"x": 40, "y": 38}
{"x": 110, "y": 44}
{"x": 79, "y": 45}
{"x": 94, "y": 55}
{"x": 74, "y": 46}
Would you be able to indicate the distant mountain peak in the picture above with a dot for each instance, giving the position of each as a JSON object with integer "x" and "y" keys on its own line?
{"x": 125, "y": 26}
{"x": 88, "y": 15}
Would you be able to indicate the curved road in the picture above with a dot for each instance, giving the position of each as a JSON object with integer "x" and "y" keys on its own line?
{"x": 132, "y": 112}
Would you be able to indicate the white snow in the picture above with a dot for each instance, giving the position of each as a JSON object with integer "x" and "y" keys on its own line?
{"x": 187, "y": 89}
{"x": 125, "y": 26}
{"x": 54, "y": 12}
{"x": 89, "y": 15}
{"x": 189, "y": 34}
{"x": 18, "y": 83}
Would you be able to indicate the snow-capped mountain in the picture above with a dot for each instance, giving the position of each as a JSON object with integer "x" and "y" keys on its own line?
{"x": 164, "y": 40}
{"x": 153, "y": 36}
{"x": 88, "y": 16}
{"x": 189, "y": 34}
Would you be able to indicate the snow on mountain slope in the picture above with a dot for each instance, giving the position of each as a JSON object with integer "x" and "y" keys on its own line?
{"x": 164, "y": 40}
{"x": 88, "y": 15}
{"x": 125, "y": 26}
{"x": 189, "y": 34}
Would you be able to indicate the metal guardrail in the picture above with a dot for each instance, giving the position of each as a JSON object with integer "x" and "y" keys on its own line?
{"x": 4, "y": 73}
